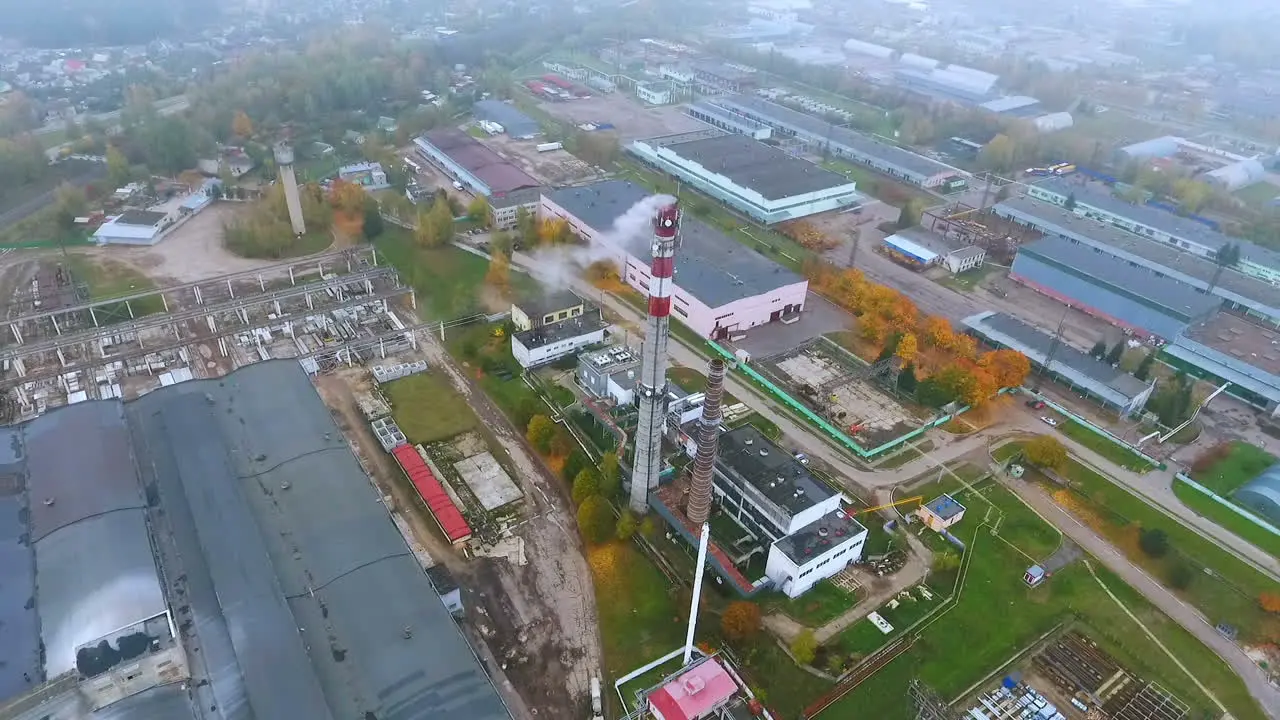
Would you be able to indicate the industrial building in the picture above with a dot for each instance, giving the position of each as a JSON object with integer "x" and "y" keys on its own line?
{"x": 477, "y": 168}
{"x": 133, "y": 227}
{"x": 1241, "y": 293}
{"x": 717, "y": 77}
{"x": 923, "y": 249}
{"x": 721, "y": 288}
{"x": 1137, "y": 298}
{"x": 609, "y": 374}
{"x": 758, "y": 180}
{"x": 368, "y": 175}
{"x": 718, "y": 117}
{"x": 1229, "y": 347}
{"x": 551, "y": 326}
{"x": 1262, "y": 495}
{"x": 1083, "y": 373}
{"x": 505, "y": 209}
{"x": 948, "y": 82}
{"x": 705, "y": 689}
{"x": 516, "y": 124}
{"x": 940, "y": 513}
{"x": 211, "y": 511}
{"x": 1233, "y": 171}
{"x": 1097, "y": 202}
{"x": 549, "y": 342}
{"x": 842, "y": 142}
{"x": 658, "y": 92}
{"x": 810, "y": 534}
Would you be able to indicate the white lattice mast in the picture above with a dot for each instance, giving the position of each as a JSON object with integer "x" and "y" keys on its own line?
{"x": 284, "y": 166}
{"x": 653, "y": 360}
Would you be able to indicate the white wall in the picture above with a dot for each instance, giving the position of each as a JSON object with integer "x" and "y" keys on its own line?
{"x": 817, "y": 512}
{"x": 547, "y": 353}
{"x": 786, "y": 575}
{"x": 740, "y": 315}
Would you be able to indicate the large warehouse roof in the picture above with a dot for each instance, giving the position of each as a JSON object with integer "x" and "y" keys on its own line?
{"x": 351, "y": 584}
{"x": 1079, "y": 368}
{"x": 817, "y": 127}
{"x": 711, "y": 266}
{"x": 296, "y": 585}
{"x": 1083, "y": 261}
{"x": 501, "y": 176}
{"x": 1101, "y": 198}
{"x": 754, "y": 165}
{"x": 1187, "y": 267}
{"x": 516, "y": 123}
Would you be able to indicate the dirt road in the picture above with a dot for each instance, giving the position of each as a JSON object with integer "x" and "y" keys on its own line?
{"x": 1266, "y": 694}
{"x": 551, "y": 624}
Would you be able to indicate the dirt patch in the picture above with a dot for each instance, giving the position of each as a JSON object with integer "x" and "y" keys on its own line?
{"x": 556, "y": 167}
{"x": 631, "y": 119}
{"x": 192, "y": 252}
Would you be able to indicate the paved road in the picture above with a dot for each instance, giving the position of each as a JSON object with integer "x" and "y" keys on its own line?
{"x": 1266, "y": 694}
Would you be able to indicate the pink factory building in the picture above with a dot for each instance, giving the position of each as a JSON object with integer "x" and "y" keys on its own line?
{"x": 722, "y": 288}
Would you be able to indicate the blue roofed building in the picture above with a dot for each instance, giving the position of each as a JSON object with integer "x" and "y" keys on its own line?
{"x": 515, "y": 123}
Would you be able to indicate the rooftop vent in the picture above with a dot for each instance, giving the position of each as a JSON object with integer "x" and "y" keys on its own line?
{"x": 823, "y": 532}
{"x": 748, "y": 441}
{"x": 764, "y": 452}
{"x": 799, "y": 492}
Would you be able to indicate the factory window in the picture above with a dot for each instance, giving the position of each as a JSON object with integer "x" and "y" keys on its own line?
{"x": 680, "y": 311}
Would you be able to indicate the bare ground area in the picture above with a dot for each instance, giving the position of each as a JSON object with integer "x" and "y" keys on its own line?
{"x": 192, "y": 252}
{"x": 537, "y": 621}
{"x": 631, "y": 119}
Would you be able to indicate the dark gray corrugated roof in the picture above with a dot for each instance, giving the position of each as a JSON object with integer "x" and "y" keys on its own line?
{"x": 1165, "y": 292}
{"x": 710, "y": 266}
{"x": 754, "y": 165}
{"x": 1067, "y": 360}
{"x": 908, "y": 162}
{"x": 1101, "y": 197}
{"x": 19, "y": 625}
{"x": 328, "y": 533}
{"x": 95, "y": 571}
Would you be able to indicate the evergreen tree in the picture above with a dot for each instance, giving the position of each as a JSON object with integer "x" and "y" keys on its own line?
{"x": 1099, "y": 349}
{"x": 1116, "y": 353}
{"x": 1144, "y": 368}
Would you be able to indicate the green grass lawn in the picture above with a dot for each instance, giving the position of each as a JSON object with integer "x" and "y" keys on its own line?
{"x": 1106, "y": 447}
{"x": 636, "y": 609}
{"x": 1211, "y": 509}
{"x": 863, "y": 638}
{"x": 968, "y": 280}
{"x": 822, "y": 604}
{"x": 447, "y": 280}
{"x": 1229, "y": 593}
{"x": 881, "y": 187}
{"x": 906, "y": 455}
{"x": 997, "y": 615}
{"x": 1242, "y": 463}
{"x": 1259, "y": 195}
{"x": 485, "y": 355}
{"x": 427, "y": 408}
{"x": 108, "y": 279}
{"x": 693, "y": 381}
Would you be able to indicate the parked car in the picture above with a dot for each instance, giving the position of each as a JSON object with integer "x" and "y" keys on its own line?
{"x": 804, "y": 459}
{"x": 1051, "y": 422}
{"x": 1035, "y": 404}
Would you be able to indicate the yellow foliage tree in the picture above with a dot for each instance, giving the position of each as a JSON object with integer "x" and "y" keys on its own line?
{"x": 553, "y": 230}
{"x": 907, "y": 349}
{"x": 499, "y": 275}
{"x": 1045, "y": 451}
{"x": 937, "y": 332}
{"x": 347, "y": 197}
{"x": 241, "y": 125}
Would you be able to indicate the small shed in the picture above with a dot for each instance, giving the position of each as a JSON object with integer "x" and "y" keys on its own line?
{"x": 941, "y": 513}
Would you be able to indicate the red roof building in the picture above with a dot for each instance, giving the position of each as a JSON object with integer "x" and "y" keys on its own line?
{"x": 447, "y": 515}
{"x": 695, "y": 694}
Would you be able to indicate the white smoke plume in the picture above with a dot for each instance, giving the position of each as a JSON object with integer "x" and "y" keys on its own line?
{"x": 556, "y": 267}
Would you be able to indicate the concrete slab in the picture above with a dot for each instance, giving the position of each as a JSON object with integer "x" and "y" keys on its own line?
{"x": 820, "y": 317}
{"x": 491, "y": 485}
{"x": 879, "y": 414}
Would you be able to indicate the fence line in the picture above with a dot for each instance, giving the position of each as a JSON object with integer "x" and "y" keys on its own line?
{"x": 1229, "y": 505}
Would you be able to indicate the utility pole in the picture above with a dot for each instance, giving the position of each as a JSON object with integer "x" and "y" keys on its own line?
{"x": 986, "y": 193}
{"x": 1053, "y": 350}
{"x": 853, "y": 249}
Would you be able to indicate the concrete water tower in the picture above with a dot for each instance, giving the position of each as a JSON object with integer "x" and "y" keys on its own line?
{"x": 284, "y": 166}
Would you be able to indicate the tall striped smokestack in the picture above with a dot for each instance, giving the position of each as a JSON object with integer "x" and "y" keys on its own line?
{"x": 653, "y": 360}
{"x": 704, "y": 462}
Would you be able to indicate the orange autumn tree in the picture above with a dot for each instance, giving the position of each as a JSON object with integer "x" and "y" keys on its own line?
{"x": 1009, "y": 368}
{"x": 936, "y": 332}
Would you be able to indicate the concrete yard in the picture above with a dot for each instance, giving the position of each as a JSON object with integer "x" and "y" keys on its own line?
{"x": 491, "y": 485}
{"x": 632, "y": 120}
{"x": 556, "y": 167}
{"x": 877, "y": 414}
